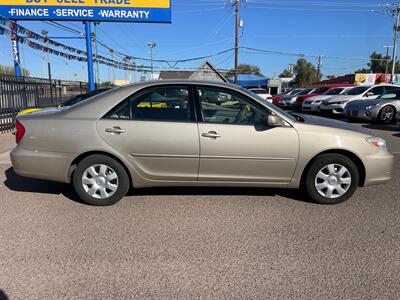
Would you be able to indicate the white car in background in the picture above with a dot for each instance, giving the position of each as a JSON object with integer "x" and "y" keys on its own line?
{"x": 312, "y": 104}
{"x": 336, "y": 104}
{"x": 262, "y": 93}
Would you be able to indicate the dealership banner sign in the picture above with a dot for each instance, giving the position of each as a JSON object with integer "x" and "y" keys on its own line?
{"x": 146, "y": 11}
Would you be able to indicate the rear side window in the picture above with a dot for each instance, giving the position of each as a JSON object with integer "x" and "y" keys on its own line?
{"x": 158, "y": 104}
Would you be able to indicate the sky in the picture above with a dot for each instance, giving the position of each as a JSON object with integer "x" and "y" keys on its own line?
{"x": 203, "y": 27}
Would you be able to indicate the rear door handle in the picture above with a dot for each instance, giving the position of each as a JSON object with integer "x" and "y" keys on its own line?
{"x": 211, "y": 134}
{"x": 115, "y": 130}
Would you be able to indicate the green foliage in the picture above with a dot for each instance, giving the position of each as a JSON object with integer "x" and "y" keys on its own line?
{"x": 7, "y": 70}
{"x": 305, "y": 72}
{"x": 244, "y": 69}
{"x": 286, "y": 74}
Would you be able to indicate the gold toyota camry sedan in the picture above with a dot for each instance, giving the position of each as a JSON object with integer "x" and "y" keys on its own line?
{"x": 194, "y": 133}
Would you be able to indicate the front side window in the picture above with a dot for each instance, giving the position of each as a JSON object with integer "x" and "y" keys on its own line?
{"x": 377, "y": 90}
{"x": 227, "y": 107}
{"x": 158, "y": 104}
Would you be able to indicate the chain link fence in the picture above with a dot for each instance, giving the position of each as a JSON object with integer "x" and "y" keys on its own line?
{"x": 19, "y": 93}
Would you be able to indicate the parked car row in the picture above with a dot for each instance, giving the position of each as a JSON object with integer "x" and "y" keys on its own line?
{"x": 370, "y": 102}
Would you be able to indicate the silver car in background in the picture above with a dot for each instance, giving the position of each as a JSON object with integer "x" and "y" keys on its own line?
{"x": 336, "y": 104}
{"x": 382, "y": 109}
{"x": 289, "y": 100}
{"x": 312, "y": 104}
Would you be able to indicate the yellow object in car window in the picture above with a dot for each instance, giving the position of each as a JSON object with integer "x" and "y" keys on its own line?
{"x": 247, "y": 107}
{"x": 154, "y": 105}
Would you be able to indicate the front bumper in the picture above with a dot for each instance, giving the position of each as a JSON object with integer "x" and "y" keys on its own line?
{"x": 362, "y": 114}
{"x": 378, "y": 167}
{"x": 333, "y": 108}
{"x": 313, "y": 107}
{"x": 52, "y": 166}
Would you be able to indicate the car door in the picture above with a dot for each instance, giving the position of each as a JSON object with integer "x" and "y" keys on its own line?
{"x": 235, "y": 144}
{"x": 156, "y": 131}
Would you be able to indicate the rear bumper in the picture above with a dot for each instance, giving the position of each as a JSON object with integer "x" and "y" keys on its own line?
{"x": 52, "y": 166}
{"x": 378, "y": 167}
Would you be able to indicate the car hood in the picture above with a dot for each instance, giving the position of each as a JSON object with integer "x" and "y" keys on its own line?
{"x": 340, "y": 98}
{"x": 320, "y": 121}
{"x": 363, "y": 103}
{"x": 320, "y": 97}
{"x": 288, "y": 97}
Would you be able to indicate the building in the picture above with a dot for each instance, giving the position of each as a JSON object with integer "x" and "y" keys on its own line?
{"x": 206, "y": 72}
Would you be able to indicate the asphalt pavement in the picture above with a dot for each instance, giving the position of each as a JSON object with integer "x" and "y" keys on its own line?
{"x": 199, "y": 242}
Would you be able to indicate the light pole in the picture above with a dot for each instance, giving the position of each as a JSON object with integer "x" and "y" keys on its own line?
{"x": 151, "y": 46}
{"x": 396, "y": 30}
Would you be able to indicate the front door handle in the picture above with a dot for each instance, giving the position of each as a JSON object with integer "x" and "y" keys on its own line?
{"x": 211, "y": 134}
{"x": 115, "y": 130}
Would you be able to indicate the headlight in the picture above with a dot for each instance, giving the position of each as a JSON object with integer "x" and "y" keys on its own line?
{"x": 341, "y": 102}
{"x": 377, "y": 142}
{"x": 371, "y": 106}
{"x": 317, "y": 101}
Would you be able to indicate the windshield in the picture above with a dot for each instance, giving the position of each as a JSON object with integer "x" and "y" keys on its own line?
{"x": 304, "y": 92}
{"x": 268, "y": 104}
{"x": 357, "y": 90}
{"x": 320, "y": 90}
{"x": 390, "y": 95}
{"x": 79, "y": 98}
{"x": 335, "y": 91}
{"x": 294, "y": 92}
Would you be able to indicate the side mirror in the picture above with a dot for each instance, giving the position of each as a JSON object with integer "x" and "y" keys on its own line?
{"x": 275, "y": 121}
{"x": 369, "y": 94}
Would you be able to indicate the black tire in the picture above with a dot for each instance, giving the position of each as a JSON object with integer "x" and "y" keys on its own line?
{"x": 319, "y": 163}
{"x": 380, "y": 115}
{"x": 123, "y": 180}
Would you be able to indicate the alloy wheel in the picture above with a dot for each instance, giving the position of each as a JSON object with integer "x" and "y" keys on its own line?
{"x": 387, "y": 114}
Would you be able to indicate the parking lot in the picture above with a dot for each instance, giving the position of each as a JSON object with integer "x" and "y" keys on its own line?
{"x": 198, "y": 242}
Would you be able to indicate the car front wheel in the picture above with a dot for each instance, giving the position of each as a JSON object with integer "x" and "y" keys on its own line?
{"x": 387, "y": 114}
{"x": 331, "y": 179}
{"x": 100, "y": 180}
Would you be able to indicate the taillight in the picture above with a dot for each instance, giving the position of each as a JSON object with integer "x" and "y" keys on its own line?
{"x": 20, "y": 131}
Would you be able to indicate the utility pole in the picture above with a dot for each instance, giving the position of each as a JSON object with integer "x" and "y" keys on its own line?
{"x": 319, "y": 63}
{"x": 151, "y": 45}
{"x": 236, "y": 41}
{"x": 387, "y": 61}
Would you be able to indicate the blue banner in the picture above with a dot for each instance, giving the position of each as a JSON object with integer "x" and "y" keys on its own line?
{"x": 86, "y": 13}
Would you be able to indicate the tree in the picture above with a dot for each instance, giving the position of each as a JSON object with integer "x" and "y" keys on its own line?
{"x": 7, "y": 70}
{"x": 305, "y": 72}
{"x": 286, "y": 74}
{"x": 377, "y": 63}
{"x": 244, "y": 69}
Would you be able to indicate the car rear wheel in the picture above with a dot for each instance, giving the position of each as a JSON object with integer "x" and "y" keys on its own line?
{"x": 331, "y": 179}
{"x": 387, "y": 114}
{"x": 100, "y": 180}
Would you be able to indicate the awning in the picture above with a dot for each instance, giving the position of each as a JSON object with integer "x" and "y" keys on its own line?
{"x": 250, "y": 80}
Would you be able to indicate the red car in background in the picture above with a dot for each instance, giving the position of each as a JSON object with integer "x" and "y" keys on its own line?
{"x": 317, "y": 92}
{"x": 276, "y": 98}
